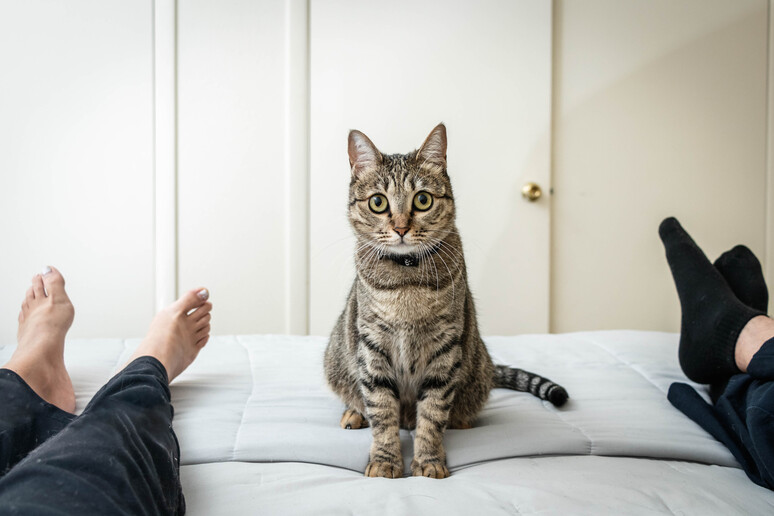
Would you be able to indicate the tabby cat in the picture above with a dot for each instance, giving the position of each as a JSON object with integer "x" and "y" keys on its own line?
{"x": 406, "y": 351}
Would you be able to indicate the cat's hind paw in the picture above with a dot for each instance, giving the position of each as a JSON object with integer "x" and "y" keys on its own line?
{"x": 352, "y": 420}
{"x": 429, "y": 469}
{"x": 384, "y": 469}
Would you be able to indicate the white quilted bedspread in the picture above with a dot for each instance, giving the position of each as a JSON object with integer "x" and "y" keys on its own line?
{"x": 259, "y": 433}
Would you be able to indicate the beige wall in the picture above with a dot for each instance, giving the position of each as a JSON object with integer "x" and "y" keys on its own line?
{"x": 659, "y": 109}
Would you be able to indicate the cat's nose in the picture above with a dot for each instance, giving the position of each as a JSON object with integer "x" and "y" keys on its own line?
{"x": 401, "y": 231}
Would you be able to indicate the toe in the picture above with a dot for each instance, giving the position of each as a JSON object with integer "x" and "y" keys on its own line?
{"x": 30, "y": 296}
{"x": 669, "y": 226}
{"x": 672, "y": 233}
{"x": 202, "y": 322}
{"x": 204, "y": 330}
{"x": 37, "y": 286}
{"x": 192, "y": 299}
{"x": 745, "y": 256}
{"x": 739, "y": 256}
{"x": 53, "y": 281}
{"x": 201, "y": 312}
{"x": 202, "y": 341}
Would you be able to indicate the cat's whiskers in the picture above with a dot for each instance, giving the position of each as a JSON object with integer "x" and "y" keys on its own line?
{"x": 336, "y": 241}
{"x": 331, "y": 244}
{"x": 375, "y": 258}
{"x": 456, "y": 257}
{"x": 452, "y": 249}
{"x": 451, "y": 276}
{"x": 424, "y": 269}
{"x": 470, "y": 240}
{"x": 442, "y": 247}
{"x": 452, "y": 258}
{"x": 424, "y": 251}
{"x": 365, "y": 261}
{"x": 367, "y": 244}
{"x": 453, "y": 254}
{"x": 370, "y": 259}
{"x": 427, "y": 270}
{"x": 437, "y": 281}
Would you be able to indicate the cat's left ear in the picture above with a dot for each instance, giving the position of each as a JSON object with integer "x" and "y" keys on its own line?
{"x": 433, "y": 151}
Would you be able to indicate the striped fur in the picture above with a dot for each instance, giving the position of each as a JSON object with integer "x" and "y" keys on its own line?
{"x": 406, "y": 351}
{"x": 524, "y": 381}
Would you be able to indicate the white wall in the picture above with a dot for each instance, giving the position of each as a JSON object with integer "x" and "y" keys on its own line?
{"x": 489, "y": 79}
{"x": 231, "y": 161}
{"x": 76, "y": 160}
{"x": 120, "y": 125}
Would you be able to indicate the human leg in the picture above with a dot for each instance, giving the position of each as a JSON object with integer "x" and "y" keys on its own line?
{"x": 742, "y": 416}
{"x": 712, "y": 316}
{"x": 747, "y": 408}
{"x": 743, "y": 272}
{"x": 751, "y": 339}
{"x": 121, "y": 455}
{"x": 36, "y": 394}
{"x": 45, "y": 317}
{"x": 26, "y": 420}
{"x": 720, "y": 340}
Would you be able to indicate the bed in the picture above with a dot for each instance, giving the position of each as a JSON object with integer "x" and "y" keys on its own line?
{"x": 259, "y": 434}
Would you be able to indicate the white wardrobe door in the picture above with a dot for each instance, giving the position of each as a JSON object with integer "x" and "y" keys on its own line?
{"x": 394, "y": 70}
{"x": 76, "y": 165}
{"x": 231, "y": 168}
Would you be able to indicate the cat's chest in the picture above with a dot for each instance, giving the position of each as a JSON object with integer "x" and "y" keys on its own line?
{"x": 409, "y": 359}
{"x": 411, "y": 307}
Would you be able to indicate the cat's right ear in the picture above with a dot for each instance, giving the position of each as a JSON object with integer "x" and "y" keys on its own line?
{"x": 363, "y": 154}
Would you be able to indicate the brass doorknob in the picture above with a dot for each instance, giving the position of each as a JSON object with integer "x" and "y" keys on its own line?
{"x": 531, "y": 192}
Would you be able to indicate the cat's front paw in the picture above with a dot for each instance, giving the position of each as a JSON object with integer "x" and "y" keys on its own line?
{"x": 384, "y": 469}
{"x": 429, "y": 469}
{"x": 352, "y": 420}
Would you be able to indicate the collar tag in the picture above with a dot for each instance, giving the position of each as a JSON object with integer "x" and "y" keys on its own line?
{"x": 410, "y": 260}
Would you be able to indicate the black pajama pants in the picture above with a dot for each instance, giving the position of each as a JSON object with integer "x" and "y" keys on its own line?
{"x": 742, "y": 418}
{"x": 120, "y": 456}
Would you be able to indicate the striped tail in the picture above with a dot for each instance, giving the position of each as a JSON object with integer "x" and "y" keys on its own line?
{"x": 524, "y": 381}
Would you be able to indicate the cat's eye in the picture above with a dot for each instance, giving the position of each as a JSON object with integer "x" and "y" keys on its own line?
{"x": 423, "y": 201}
{"x": 378, "y": 203}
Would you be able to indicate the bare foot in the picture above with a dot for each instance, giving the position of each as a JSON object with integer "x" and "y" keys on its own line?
{"x": 752, "y": 337}
{"x": 45, "y": 317}
{"x": 178, "y": 332}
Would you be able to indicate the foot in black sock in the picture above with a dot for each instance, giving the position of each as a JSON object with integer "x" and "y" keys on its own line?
{"x": 712, "y": 316}
{"x": 744, "y": 275}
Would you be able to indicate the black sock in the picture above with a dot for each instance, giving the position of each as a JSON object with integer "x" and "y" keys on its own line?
{"x": 712, "y": 316}
{"x": 744, "y": 275}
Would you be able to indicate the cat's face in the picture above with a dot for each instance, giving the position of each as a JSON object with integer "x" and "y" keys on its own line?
{"x": 400, "y": 204}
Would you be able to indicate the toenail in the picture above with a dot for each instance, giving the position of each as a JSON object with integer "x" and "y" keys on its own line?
{"x": 46, "y": 270}
{"x": 203, "y": 294}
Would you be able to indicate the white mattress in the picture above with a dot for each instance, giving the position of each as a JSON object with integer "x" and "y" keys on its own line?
{"x": 259, "y": 433}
